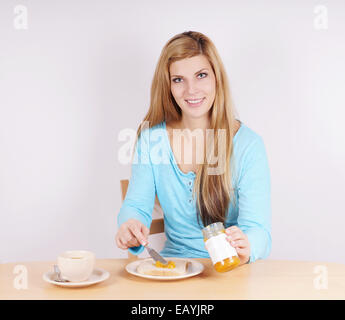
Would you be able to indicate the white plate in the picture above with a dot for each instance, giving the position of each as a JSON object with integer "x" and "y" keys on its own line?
{"x": 194, "y": 268}
{"x": 98, "y": 275}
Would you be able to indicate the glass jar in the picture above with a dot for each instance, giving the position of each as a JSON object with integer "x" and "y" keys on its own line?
{"x": 224, "y": 256}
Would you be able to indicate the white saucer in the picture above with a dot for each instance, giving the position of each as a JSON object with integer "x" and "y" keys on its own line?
{"x": 98, "y": 275}
{"x": 194, "y": 268}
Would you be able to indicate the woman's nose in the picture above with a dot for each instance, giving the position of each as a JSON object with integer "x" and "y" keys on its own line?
{"x": 192, "y": 89}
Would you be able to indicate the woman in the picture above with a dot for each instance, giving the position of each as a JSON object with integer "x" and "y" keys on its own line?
{"x": 226, "y": 177}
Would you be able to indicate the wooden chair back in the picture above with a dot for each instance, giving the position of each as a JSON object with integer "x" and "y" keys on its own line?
{"x": 157, "y": 225}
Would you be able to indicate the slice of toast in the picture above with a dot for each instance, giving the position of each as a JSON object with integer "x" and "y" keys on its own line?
{"x": 148, "y": 267}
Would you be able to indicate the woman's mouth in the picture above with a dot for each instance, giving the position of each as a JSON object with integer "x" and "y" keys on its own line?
{"x": 195, "y": 102}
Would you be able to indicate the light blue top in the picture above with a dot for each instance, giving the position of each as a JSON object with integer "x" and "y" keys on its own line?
{"x": 155, "y": 171}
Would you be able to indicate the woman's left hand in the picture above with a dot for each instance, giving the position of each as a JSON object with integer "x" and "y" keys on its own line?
{"x": 239, "y": 240}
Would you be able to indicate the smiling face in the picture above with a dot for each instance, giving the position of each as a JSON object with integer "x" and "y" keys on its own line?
{"x": 193, "y": 86}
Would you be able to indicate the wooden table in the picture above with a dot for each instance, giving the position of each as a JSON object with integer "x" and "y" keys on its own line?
{"x": 264, "y": 279}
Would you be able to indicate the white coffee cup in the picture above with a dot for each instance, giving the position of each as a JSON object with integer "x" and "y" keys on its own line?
{"x": 76, "y": 265}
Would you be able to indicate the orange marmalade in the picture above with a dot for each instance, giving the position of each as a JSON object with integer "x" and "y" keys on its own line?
{"x": 224, "y": 257}
{"x": 170, "y": 265}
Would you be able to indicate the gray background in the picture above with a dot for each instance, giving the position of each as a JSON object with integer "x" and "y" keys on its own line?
{"x": 81, "y": 72}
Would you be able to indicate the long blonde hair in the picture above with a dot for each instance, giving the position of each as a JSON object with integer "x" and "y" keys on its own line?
{"x": 214, "y": 192}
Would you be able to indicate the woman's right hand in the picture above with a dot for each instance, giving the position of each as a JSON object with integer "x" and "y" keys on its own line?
{"x": 132, "y": 233}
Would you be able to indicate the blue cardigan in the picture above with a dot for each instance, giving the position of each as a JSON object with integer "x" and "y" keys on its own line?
{"x": 155, "y": 171}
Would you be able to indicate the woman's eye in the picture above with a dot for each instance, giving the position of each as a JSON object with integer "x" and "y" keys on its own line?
{"x": 174, "y": 80}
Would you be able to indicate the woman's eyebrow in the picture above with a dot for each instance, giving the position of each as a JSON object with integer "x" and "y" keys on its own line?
{"x": 176, "y": 75}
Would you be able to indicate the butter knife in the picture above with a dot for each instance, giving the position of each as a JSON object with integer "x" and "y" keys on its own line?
{"x": 155, "y": 255}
